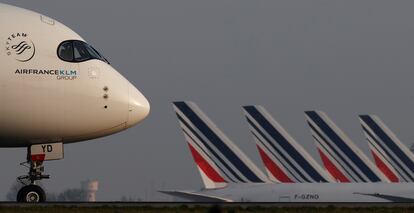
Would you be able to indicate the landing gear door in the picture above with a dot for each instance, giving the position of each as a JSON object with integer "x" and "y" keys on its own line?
{"x": 46, "y": 152}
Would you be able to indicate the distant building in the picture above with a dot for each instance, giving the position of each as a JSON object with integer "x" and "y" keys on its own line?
{"x": 90, "y": 187}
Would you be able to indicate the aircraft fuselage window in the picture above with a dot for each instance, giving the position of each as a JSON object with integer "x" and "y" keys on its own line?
{"x": 78, "y": 51}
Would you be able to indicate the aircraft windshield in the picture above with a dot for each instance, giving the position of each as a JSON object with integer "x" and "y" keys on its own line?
{"x": 78, "y": 51}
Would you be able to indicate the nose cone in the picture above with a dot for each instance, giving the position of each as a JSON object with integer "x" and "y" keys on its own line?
{"x": 139, "y": 107}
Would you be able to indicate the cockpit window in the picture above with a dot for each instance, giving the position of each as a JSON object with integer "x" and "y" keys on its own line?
{"x": 93, "y": 52}
{"x": 78, "y": 51}
{"x": 65, "y": 51}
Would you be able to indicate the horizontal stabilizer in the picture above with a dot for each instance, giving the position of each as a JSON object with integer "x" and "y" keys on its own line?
{"x": 390, "y": 198}
{"x": 195, "y": 197}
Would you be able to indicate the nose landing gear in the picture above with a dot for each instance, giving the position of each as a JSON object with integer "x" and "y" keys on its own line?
{"x": 36, "y": 155}
{"x": 32, "y": 193}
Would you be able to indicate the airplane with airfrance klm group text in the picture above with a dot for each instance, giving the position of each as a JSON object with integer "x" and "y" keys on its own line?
{"x": 55, "y": 89}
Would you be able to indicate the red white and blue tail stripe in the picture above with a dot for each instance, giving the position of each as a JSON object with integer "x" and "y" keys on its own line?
{"x": 221, "y": 158}
{"x": 210, "y": 174}
{"x": 285, "y": 160}
{"x": 391, "y": 156}
{"x": 341, "y": 157}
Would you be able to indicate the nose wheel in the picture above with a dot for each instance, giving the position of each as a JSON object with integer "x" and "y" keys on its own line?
{"x": 31, "y": 192}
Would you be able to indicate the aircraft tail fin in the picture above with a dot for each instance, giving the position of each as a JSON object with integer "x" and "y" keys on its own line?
{"x": 392, "y": 157}
{"x": 332, "y": 166}
{"x": 340, "y": 149}
{"x": 216, "y": 156}
{"x": 210, "y": 174}
{"x": 284, "y": 158}
{"x": 274, "y": 170}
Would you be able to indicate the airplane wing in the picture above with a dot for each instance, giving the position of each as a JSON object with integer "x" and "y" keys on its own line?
{"x": 390, "y": 198}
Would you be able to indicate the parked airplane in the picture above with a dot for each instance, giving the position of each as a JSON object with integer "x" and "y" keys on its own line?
{"x": 285, "y": 159}
{"x": 303, "y": 192}
{"x": 56, "y": 89}
{"x": 391, "y": 156}
{"x": 345, "y": 161}
{"x": 209, "y": 144}
{"x": 218, "y": 159}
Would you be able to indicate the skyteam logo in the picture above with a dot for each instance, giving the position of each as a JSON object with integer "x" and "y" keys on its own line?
{"x": 20, "y": 47}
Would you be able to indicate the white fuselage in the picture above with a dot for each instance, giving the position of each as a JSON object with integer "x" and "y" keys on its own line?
{"x": 45, "y": 99}
{"x": 314, "y": 192}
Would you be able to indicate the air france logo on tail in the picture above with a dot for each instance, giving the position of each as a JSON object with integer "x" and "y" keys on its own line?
{"x": 215, "y": 148}
{"x": 210, "y": 174}
{"x": 283, "y": 157}
{"x": 331, "y": 166}
{"x": 340, "y": 148}
{"x": 20, "y": 47}
{"x": 392, "y": 157}
{"x": 275, "y": 171}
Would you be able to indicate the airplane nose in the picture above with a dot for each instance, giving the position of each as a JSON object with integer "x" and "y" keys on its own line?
{"x": 139, "y": 107}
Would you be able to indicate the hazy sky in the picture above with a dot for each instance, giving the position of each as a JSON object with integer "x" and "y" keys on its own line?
{"x": 343, "y": 57}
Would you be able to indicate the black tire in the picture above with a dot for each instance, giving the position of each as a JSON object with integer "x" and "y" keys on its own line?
{"x": 31, "y": 194}
{"x": 19, "y": 196}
